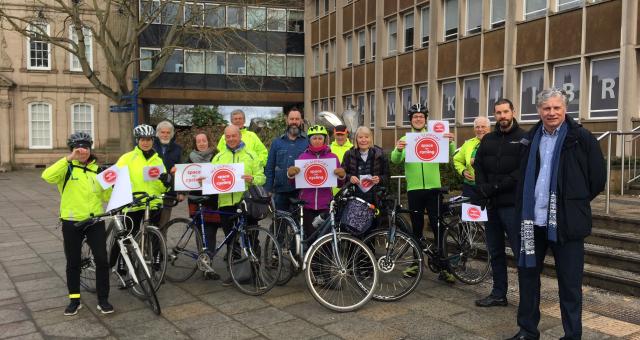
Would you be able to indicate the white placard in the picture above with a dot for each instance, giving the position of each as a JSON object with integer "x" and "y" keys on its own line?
{"x": 108, "y": 177}
{"x": 473, "y": 213}
{"x": 438, "y": 126}
{"x": 122, "y": 192}
{"x": 316, "y": 173}
{"x": 188, "y": 176}
{"x": 427, "y": 148}
{"x": 366, "y": 183}
{"x": 152, "y": 173}
{"x": 224, "y": 179}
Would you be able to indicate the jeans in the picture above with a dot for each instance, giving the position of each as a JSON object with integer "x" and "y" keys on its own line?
{"x": 281, "y": 199}
{"x": 501, "y": 221}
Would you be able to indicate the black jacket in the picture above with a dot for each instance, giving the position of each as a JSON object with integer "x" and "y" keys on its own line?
{"x": 497, "y": 165}
{"x": 171, "y": 155}
{"x": 581, "y": 177}
{"x": 377, "y": 165}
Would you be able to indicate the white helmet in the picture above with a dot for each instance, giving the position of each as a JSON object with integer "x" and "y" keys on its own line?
{"x": 143, "y": 130}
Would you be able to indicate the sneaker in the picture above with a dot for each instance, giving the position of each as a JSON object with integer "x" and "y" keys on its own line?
{"x": 446, "y": 276}
{"x": 227, "y": 282}
{"x": 411, "y": 271}
{"x": 72, "y": 308}
{"x": 105, "y": 307}
{"x": 211, "y": 276}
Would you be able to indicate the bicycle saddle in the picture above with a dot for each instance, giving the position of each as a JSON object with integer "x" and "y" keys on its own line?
{"x": 296, "y": 201}
{"x": 198, "y": 199}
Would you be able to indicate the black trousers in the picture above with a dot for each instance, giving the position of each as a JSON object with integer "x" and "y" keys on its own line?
{"x": 96, "y": 239}
{"x": 569, "y": 265}
{"x": 422, "y": 199}
{"x": 501, "y": 221}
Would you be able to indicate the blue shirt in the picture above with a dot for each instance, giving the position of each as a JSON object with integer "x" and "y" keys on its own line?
{"x": 282, "y": 155}
{"x": 541, "y": 198}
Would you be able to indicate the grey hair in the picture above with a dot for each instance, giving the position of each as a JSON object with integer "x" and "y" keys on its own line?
{"x": 165, "y": 124}
{"x": 237, "y": 112}
{"x": 366, "y": 130}
{"x": 482, "y": 119}
{"x": 546, "y": 94}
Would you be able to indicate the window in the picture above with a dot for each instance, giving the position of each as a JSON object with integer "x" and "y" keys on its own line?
{"x": 169, "y": 15}
{"x": 277, "y": 19}
{"x": 332, "y": 55}
{"x": 235, "y": 17}
{"x": 316, "y": 59}
{"x": 193, "y": 61}
{"x": 175, "y": 63}
{"x": 534, "y": 9}
{"x": 360, "y": 108}
{"x": 605, "y": 77}
{"x": 316, "y": 108}
{"x": 295, "y": 66}
{"x": 361, "y": 46}
{"x": 215, "y": 62}
{"x": 193, "y": 14}
{"x": 276, "y": 65}
{"x": 494, "y": 92}
{"x": 214, "y": 16}
{"x": 406, "y": 104}
{"x": 392, "y": 36}
{"x": 40, "y": 126}
{"x": 236, "y": 63}
{"x": 449, "y": 101}
{"x": 88, "y": 49}
{"x": 325, "y": 105}
{"x": 325, "y": 53}
{"x": 424, "y": 26}
{"x": 256, "y": 64}
{"x": 450, "y": 19}
{"x": 567, "y": 4}
{"x": 372, "y": 109}
{"x": 422, "y": 95}
{"x": 38, "y": 51}
{"x": 408, "y": 32}
{"x": 317, "y": 3}
{"x": 567, "y": 77}
{"x": 474, "y": 16}
{"x": 148, "y": 58}
{"x": 372, "y": 34}
{"x": 471, "y": 100}
{"x": 256, "y": 18}
{"x": 348, "y": 103}
{"x": 498, "y": 12}
{"x": 391, "y": 108}
{"x": 326, "y": 6}
{"x": 295, "y": 21}
{"x": 82, "y": 118}
{"x": 332, "y": 104}
{"x": 149, "y": 10}
{"x": 531, "y": 83}
{"x": 348, "y": 46}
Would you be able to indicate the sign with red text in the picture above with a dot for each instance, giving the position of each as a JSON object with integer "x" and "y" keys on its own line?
{"x": 473, "y": 213}
{"x": 224, "y": 179}
{"x": 427, "y": 148}
{"x": 122, "y": 192}
{"x": 190, "y": 176}
{"x": 316, "y": 173}
{"x": 152, "y": 173}
{"x": 438, "y": 126}
{"x": 365, "y": 183}
{"x": 108, "y": 177}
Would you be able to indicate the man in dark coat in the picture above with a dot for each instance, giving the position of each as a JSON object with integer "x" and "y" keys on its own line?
{"x": 562, "y": 170}
{"x": 171, "y": 154}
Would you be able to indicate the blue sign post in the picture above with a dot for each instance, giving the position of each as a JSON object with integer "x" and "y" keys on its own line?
{"x": 132, "y": 103}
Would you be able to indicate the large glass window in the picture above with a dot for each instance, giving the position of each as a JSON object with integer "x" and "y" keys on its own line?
{"x": 40, "y": 126}
{"x": 148, "y": 58}
{"x": 450, "y": 19}
{"x": 256, "y": 64}
{"x": 605, "y": 80}
{"x": 194, "y": 14}
{"x": 276, "y": 65}
{"x": 567, "y": 77}
{"x": 408, "y": 32}
{"x": 175, "y": 63}
{"x": 391, "y": 108}
{"x": 424, "y": 26}
{"x": 236, "y": 63}
{"x": 295, "y": 66}
{"x": 193, "y": 61}
{"x": 215, "y": 62}
{"x": 531, "y": 83}
{"x": 392, "y": 37}
{"x": 449, "y": 101}
{"x": 348, "y": 47}
{"x": 534, "y": 9}
{"x": 361, "y": 46}
{"x": 494, "y": 92}
{"x": 38, "y": 50}
{"x": 471, "y": 100}
{"x": 277, "y": 19}
{"x": 169, "y": 15}
{"x": 372, "y": 33}
{"x": 474, "y": 16}
{"x": 422, "y": 95}
{"x": 498, "y": 12}
{"x": 406, "y": 104}
{"x": 88, "y": 49}
{"x": 295, "y": 21}
{"x": 149, "y": 11}
{"x": 256, "y": 18}
{"x": 372, "y": 109}
{"x": 214, "y": 16}
{"x": 235, "y": 17}
{"x": 82, "y": 118}
{"x": 566, "y": 4}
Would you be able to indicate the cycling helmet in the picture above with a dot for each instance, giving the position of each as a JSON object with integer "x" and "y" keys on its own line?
{"x": 143, "y": 130}
{"x": 317, "y": 130}
{"x": 415, "y": 108}
{"x": 79, "y": 139}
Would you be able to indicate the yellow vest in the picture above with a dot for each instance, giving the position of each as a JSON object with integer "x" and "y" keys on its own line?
{"x": 136, "y": 162}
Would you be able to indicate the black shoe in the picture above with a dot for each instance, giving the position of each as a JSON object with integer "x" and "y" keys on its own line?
{"x": 227, "y": 282}
{"x": 72, "y": 308}
{"x": 211, "y": 276}
{"x": 491, "y": 301}
{"x": 105, "y": 307}
{"x": 520, "y": 336}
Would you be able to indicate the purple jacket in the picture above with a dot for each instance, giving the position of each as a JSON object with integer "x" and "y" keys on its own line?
{"x": 319, "y": 198}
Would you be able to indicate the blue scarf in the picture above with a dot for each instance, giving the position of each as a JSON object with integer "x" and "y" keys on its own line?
{"x": 527, "y": 258}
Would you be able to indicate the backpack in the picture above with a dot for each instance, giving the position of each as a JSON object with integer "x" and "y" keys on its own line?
{"x": 257, "y": 202}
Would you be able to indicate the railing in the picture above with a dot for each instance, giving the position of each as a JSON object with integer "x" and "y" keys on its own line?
{"x": 633, "y": 159}
{"x": 399, "y": 178}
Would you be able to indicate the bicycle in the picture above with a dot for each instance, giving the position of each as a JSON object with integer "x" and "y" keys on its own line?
{"x": 253, "y": 269}
{"x": 339, "y": 269}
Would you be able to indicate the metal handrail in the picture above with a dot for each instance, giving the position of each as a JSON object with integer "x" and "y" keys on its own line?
{"x": 609, "y": 135}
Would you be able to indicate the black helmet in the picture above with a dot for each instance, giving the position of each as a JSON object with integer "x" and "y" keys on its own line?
{"x": 143, "y": 130}
{"x": 79, "y": 139}
{"x": 418, "y": 108}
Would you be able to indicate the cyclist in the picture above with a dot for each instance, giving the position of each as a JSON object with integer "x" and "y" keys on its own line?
{"x": 340, "y": 145}
{"x": 81, "y": 196}
{"x": 423, "y": 187}
{"x": 464, "y": 158}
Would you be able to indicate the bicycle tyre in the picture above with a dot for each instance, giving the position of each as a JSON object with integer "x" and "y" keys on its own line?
{"x": 87, "y": 268}
{"x": 466, "y": 250}
{"x": 183, "y": 246}
{"x": 284, "y": 233}
{"x": 155, "y": 255}
{"x": 323, "y": 278}
{"x": 144, "y": 281}
{"x": 254, "y": 269}
{"x": 393, "y": 283}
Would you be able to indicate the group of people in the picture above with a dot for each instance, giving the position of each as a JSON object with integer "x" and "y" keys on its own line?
{"x": 536, "y": 186}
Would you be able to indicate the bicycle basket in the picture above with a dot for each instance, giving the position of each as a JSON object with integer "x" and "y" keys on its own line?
{"x": 357, "y": 216}
{"x": 257, "y": 202}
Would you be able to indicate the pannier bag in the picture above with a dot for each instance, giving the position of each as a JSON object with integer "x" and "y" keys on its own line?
{"x": 257, "y": 202}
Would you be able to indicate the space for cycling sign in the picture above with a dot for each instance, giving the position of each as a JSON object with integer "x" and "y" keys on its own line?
{"x": 152, "y": 173}
{"x": 316, "y": 173}
{"x": 427, "y": 148}
{"x": 473, "y": 213}
{"x": 189, "y": 176}
{"x": 224, "y": 179}
{"x": 438, "y": 126}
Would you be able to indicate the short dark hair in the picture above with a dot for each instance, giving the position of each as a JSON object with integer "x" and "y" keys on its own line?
{"x": 293, "y": 108}
{"x": 503, "y": 101}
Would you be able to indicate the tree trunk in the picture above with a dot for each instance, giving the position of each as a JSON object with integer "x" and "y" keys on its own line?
{"x": 125, "y": 124}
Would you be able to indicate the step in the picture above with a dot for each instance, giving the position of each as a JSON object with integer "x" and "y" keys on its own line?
{"x": 612, "y": 258}
{"x": 616, "y": 223}
{"x": 615, "y": 239}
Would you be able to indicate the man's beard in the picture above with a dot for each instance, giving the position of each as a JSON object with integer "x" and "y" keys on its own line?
{"x": 293, "y": 130}
{"x": 164, "y": 141}
{"x": 505, "y": 124}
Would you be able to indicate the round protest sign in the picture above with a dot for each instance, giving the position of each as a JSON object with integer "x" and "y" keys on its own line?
{"x": 110, "y": 177}
{"x": 223, "y": 179}
{"x": 316, "y": 175}
{"x": 439, "y": 127}
{"x": 427, "y": 149}
{"x": 154, "y": 172}
{"x": 191, "y": 176}
{"x": 474, "y": 213}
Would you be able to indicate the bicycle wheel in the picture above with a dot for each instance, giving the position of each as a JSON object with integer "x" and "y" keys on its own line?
{"x": 399, "y": 264}
{"x": 466, "y": 250}
{"x": 284, "y": 232}
{"x": 343, "y": 285}
{"x": 145, "y": 283}
{"x": 155, "y": 256}
{"x": 254, "y": 261}
{"x": 183, "y": 247}
{"x": 87, "y": 268}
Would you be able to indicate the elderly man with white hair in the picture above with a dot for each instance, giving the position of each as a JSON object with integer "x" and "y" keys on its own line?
{"x": 463, "y": 159}
{"x": 171, "y": 154}
{"x": 249, "y": 138}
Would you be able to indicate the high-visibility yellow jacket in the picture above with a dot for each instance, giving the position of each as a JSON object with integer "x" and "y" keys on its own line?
{"x": 82, "y": 196}
{"x": 340, "y": 150}
{"x": 251, "y": 167}
{"x": 136, "y": 162}
{"x": 253, "y": 144}
{"x": 462, "y": 159}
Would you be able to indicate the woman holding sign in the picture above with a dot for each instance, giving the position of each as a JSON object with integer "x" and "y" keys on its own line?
{"x": 366, "y": 165}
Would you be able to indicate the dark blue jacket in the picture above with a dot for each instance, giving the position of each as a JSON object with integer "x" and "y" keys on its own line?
{"x": 170, "y": 154}
{"x": 282, "y": 154}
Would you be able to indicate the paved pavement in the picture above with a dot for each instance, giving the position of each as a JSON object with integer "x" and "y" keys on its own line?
{"x": 33, "y": 296}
